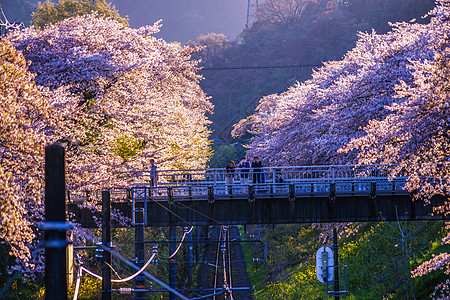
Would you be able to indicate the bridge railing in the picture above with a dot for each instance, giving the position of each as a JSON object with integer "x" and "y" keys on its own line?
{"x": 306, "y": 179}
{"x": 287, "y": 174}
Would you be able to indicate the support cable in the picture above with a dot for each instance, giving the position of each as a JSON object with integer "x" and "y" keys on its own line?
{"x": 134, "y": 266}
{"x": 179, "y": 245}
{"x": 124, "y": 279}
{"x": 200, "y": 213}
{"x": 115, "y": 272}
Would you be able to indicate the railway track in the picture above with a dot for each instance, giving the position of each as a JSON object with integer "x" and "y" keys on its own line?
{"x": 224, "y": 276}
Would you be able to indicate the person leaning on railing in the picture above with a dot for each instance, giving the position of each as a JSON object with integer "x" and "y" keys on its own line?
{"x": 229, "y": 175}
{"x": 257, "y": 169}
{"x": 244, "y": 166}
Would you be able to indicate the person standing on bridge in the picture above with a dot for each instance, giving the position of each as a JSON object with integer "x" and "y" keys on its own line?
{"x": 257, "y": 170}
{"x": 229, "y": 175}
{"x": 153, "y": 173}
{"x": 244, "y": 166}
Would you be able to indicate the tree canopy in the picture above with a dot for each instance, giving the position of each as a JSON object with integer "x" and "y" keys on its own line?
{"x": 23, "y": 114}
{"x": 387, "y": 101}
{"x": 311, "y": 121}
{"x": 116, "y": 96}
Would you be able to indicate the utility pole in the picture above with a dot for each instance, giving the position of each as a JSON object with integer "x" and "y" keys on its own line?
{"x": 252, "y": 9}
{"x": 55, "y": 226}
{"x": 106, "y": 240}
{"x": 139, "y": 247}
{"x": 336, "y": 263}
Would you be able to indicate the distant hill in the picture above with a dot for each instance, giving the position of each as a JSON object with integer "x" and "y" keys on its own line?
{"x": 324, "y": 30}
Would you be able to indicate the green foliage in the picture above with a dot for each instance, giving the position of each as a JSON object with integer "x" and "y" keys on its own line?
{"x": 24, "y": 289}
{"x": 224, "y": 153}
{"x": 90, "y": 288}
{"x": 213, "y": 46}
{"x": 21, "y": 288}
{"x": 379, "y": 259}
{"x": 50, "y": 13}
{"x": 126, "y": 146}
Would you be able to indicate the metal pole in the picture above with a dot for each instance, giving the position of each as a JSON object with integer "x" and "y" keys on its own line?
{"x": 55, "y": 212}
{"x": 106, "y": 240}
{"x": 172, "y": 261}
{"x": 139, "y": 247}
{"x": 190, "y": 259}
{"x": 336, "y": 263}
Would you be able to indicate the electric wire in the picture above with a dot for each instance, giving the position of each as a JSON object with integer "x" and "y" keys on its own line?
{"x": 81, "y": 269}
{"x": 179, "y": 245}
{"x": 134, "y": 266}
{"x": 224, "y": 261}
{"x": 124, "y": 279}
{"x": 173, "y": 213}
{"x": 229, "y": 263}
{"x": 227, "y": 250}
{"x": 261, "y": 67}
{"x": 200, "y": 213}
{"x": 77, "y": 284}
{"x": 184, "y": 235}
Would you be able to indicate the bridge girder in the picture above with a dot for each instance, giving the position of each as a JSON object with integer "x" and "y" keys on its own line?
{"x": 267, "y": 210}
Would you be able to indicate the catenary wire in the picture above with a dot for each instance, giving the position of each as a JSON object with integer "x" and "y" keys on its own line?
{"x": 173, "y": 213}
{"x": 260, "y": 67}
{"x": 179, "y": 245}
{"x": 134, "y": 266}
{"x": 200, "y": 213}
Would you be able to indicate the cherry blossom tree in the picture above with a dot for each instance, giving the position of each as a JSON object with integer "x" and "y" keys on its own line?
{"x": 117, "y": 85}
{"x": 24, "y": 117}
{"x": 309, "y": 122}
{"x": 386, "y": 102}
{"x": 114, "y": 96}
{"x": 416, "y": 136}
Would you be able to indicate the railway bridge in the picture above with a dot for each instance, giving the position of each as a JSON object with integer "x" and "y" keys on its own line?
{"x": 296, "y": 194}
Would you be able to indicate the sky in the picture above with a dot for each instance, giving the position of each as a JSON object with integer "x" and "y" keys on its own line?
{"x": 185, "y": 20}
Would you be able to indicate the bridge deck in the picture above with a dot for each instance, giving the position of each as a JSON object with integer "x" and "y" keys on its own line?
{"x": 288, "y": 195}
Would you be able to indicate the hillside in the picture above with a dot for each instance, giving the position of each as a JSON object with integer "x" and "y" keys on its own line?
{"x": 324, "y": 31}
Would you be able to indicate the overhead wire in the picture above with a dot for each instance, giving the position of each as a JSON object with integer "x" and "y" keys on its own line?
{"x": 260, "y": 67}
{"x": 123, "y": 279}
{"x": 81, "y": 269}
{"x": 179, "y": 245}
{"x": 173, "y": 213}
{"x": 224, "y": 260}
{"x": 229, "y": 263}
{"x": 200, "y": 213}
{"x": 134, "y": 266}
{"x": 217, "y": 260}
